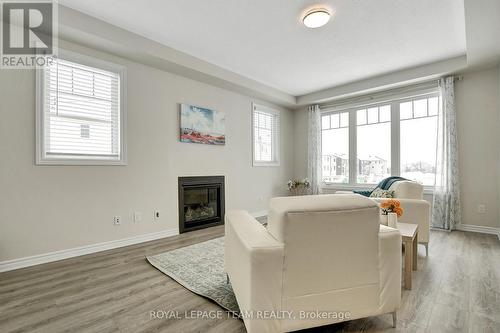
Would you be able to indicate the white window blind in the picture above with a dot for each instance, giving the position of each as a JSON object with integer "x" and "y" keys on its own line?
{"x": 81, "y": 118}
{"x": 266, "y": 127}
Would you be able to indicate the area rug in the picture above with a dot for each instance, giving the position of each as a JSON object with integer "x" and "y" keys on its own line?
{"x": 199, "y": 268}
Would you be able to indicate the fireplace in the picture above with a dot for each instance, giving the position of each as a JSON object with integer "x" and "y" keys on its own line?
{"x": 201, "y": 202}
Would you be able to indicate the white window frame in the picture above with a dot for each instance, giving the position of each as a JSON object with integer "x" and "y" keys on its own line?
{"x": 41, "y": 156}
{"x": 276, "y": 139}
{"x": 394, "y": 101}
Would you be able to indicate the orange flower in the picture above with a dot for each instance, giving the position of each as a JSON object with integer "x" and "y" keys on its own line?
{"x": 391, "y": 206}
{"x": 394, "y": 203}
{"x": 398, "y": 211}
{"x": 385, "y": 204}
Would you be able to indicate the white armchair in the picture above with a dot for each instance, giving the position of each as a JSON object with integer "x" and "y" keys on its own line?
{"x": 324, "y": 254}
{"x": 416, "y": 209}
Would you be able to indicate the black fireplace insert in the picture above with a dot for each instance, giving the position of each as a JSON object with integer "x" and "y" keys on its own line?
{"x": 201, "y": 202}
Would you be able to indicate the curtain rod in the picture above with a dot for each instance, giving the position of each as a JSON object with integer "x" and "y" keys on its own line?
{"x": 382, "y": 93}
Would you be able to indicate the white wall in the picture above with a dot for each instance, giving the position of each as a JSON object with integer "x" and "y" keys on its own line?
{"x": 300, "y": 124}
{"x": 478, "y": 123}
{"x": 51, "y": 208}
{"x": 478, "y": 111}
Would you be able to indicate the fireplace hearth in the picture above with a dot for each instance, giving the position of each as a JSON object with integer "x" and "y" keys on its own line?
{"x": 201, "y": 202}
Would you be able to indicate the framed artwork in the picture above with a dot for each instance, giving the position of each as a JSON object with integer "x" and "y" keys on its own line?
{"x": 200, "y": 125}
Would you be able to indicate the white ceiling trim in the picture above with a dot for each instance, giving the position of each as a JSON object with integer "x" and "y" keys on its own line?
{"x": 83, "y": 29}
{"x": 266, "y": 41}
{"x": 482, "y": 23}
{"x": 388, "y": 81}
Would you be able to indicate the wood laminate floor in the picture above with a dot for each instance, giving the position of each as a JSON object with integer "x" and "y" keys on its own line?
{"x": 456, "y": 289}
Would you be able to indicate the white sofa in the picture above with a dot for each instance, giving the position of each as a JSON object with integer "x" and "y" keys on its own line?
{"x": 325, "y": 253}
{"x": 416, "y": 209}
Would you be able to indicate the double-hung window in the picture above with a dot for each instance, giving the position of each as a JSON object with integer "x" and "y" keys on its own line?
{"x": 80, "y": 112}
{"x": 365, "y": 142}
{"x": 266, "y": 136}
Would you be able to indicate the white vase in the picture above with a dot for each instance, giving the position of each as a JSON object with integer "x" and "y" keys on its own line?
{"x": 392, "y": 220}
{"x": 383, "y": 219}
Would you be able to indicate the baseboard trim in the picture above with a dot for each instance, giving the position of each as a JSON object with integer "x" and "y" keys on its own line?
{"x": 479, "y": 229}
{"x": 13, "y": 264}
{"x": 259, "y": 213}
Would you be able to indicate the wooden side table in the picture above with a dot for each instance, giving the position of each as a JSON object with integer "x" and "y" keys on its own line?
{"x": 409, "y": 235}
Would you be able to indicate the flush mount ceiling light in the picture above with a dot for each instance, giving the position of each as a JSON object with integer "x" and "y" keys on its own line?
{"x": 316, "y": 18}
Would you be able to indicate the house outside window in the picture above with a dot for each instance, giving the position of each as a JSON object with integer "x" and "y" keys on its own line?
{"x": 396, "y": 137}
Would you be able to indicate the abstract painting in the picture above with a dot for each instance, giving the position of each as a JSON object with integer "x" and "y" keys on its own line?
{"x": 200, "y": 125}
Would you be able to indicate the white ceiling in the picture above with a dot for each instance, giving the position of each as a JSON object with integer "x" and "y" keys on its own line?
{"x": 264, "y": 40}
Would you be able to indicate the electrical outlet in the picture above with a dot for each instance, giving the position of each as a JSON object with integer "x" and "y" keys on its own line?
{"x": 137, "y": 217}
{"x": 261, "y": 198}
{"x": 481, "y": 209}
{"x": 156, "y": 216}
{"x": 117, "y": 220}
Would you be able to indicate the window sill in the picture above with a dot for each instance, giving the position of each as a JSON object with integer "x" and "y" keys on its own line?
{"x": 428, "y": 190}
{"x": 266, "y": 164}
{"x": 346, "y": 187}
{"x": 80, "y": 162}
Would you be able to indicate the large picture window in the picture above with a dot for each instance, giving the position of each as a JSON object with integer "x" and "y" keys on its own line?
{"x": 373, "y": 144}
{"x": 335, "y": 150}
{"x": 365, "y": 144}
{"x": 418, "y": 132}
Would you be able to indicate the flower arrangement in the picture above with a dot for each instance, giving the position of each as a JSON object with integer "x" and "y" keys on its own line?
{"x": 296, "y": 183}
{"x": 391, "y": 206}
{"x": 299, "y": 187}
